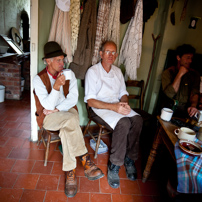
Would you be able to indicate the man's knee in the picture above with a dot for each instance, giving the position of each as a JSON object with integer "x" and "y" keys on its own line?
{"x": 123, "y": 123}
{"x": 138, "y": 120}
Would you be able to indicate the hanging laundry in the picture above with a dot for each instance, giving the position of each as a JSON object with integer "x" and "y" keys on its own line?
{"x": 61, "y": 29}
{"x": 131, "y": 48}
{"x": 102, "y": 28}
{"x": 75, "y": 23}
{"x": 114, "y": 24}
{"x": 86, "y": 40}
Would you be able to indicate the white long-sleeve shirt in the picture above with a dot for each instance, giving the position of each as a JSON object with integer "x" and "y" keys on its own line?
{"x": 56, "y": 99}
{"x": 107, "y": 87}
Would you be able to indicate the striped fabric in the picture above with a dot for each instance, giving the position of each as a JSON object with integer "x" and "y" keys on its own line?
{"x": 102, "y": 28}
{"x": 61, "y": 31}
{"x": 189, "y": 171}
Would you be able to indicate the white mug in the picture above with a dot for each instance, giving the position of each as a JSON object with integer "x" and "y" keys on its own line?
{"x": 67, "y": 73}
{"x": 185, "y": 133}
{"x": 166, "y": 114}
{"x": 200, "y": 116}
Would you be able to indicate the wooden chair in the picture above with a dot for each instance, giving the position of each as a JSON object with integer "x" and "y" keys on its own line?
{"x": 139, "y": 95}
{"x": 149, "y": 120}
{"x": 104, "y": 128}
{"x": 47, "y": 137}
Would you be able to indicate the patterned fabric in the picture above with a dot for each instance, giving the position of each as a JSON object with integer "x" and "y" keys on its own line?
{"x": 61, "y": 31}
{"x": 114, "y": 24}
{"x": 86, "y": 40}
{"x": 131, "y": 48}
{"x": 189, "y": 171}
{"x": 75, "y": 22}
{"x": 102, "y": 28}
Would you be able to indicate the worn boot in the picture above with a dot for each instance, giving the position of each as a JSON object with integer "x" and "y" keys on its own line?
{"x": 113, "y": 175}
{"x": 71, "y": 184}
{"x": 91, "y": 171}
{"x": 131, "y": 170}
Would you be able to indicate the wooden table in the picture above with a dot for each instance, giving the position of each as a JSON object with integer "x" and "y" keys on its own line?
{"x": 164, "y": 134}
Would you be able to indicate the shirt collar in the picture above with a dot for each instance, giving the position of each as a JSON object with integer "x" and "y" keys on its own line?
{"x": 54, "y": 77}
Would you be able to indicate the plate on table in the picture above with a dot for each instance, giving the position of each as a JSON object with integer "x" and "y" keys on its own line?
{"x": 190, "y": 147}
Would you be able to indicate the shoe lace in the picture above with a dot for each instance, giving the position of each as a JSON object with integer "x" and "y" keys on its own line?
{"x": 115, "y": 168}
{"x": 89, "y": 162}
{"x": 70, "y": 175}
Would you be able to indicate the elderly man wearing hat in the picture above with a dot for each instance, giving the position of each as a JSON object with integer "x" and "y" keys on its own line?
{"x": 56, "y": 100}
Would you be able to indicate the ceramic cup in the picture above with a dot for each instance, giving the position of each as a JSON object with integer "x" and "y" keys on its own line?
{"x": 200, "y": 116}
{"x": 185, "y": 133}
{"x": 67, "y": 73}
{"x": 166, "y": 114}
{"x": 199, "y": 135}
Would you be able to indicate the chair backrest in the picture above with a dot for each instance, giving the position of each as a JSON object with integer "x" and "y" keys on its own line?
{"x": 136, "y": 91}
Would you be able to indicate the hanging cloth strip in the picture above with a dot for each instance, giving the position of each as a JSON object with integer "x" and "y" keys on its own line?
{"x": 114, "y": 24}
{"x": 131, "y": 48}
{"x": 182, "y": 17}
{"x": 75, "y": 22}
{"x": 102, "y": 28}
{"x": 61, "y": 31}
{"x": 86, "y": 40}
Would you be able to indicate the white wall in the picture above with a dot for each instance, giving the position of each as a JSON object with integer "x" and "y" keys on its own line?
{"x": 10, "y": 11}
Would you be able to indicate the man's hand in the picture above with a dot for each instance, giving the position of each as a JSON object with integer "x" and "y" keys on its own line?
{"x": 192, "y": 111}
{"x": 60, "y": 81}
{"x": 46, "y": 112}
{"x": 182, "y": 71}
{"x": 122, "y": 108}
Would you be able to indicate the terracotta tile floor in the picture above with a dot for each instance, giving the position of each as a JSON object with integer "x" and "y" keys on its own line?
{"x": 24, "y": 178}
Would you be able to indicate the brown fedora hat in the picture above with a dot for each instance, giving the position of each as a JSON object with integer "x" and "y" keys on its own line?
{"x": 52, "y": 49}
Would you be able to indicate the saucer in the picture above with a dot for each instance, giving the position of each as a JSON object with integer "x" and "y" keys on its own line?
{"x": 190, "y": 147}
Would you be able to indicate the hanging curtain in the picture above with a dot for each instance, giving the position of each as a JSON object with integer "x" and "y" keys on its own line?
{"x": 61, "y": 30}
{"x": 131, "y": 48}
{"x": 102, "y": 28}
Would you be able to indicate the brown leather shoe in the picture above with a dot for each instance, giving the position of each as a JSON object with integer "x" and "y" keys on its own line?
{"x": 91, "y": 171}
{"x": 71, "y": 184}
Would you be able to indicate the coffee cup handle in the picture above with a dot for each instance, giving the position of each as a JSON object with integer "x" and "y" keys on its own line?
{"x": 176, "y": 131}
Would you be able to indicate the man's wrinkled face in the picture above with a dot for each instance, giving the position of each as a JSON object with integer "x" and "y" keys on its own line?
{"x": 56, "y": 63}
{"x": 109, "y": 54}
{"x": 185, "y": 60}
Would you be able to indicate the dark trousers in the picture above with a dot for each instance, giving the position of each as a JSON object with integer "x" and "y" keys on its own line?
{"x": 125, "y": 139}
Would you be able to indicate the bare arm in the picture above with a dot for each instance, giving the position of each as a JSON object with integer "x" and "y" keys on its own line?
{"x": 119, "y": 107}
{"x": 124, "y": 98}
{"x": 46, "y": 112}
{"x": 192, "y": 110}
{"x": 177, "y": 80}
